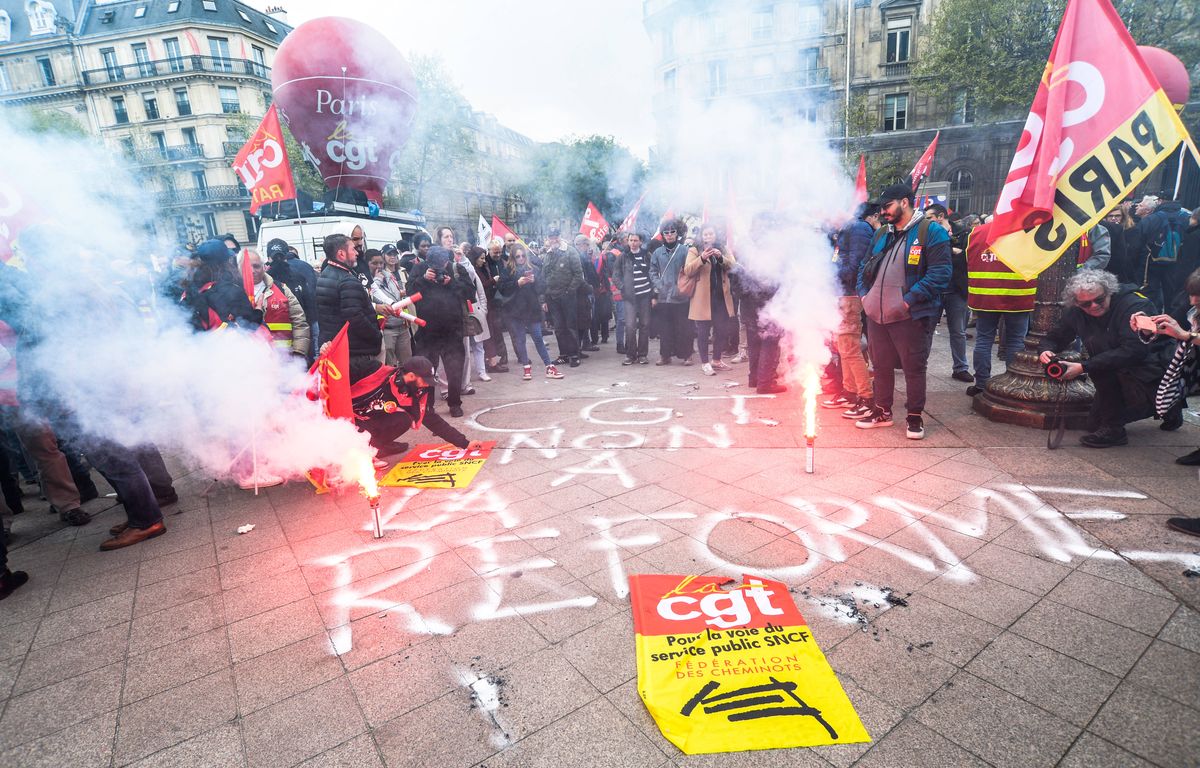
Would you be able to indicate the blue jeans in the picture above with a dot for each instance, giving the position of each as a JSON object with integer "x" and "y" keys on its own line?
{"x": 120, "y": 467}
{"x": 956, "y": 323}
{"x": 1016, "y": 325}
{"x": 517, "y": 329}
{"x": 619, "y": 313}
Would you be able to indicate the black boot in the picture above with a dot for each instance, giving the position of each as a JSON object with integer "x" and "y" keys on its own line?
{"x": 10, "y": 581}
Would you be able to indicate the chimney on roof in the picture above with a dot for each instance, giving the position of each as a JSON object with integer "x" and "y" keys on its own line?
{"x": 277, "y": 12}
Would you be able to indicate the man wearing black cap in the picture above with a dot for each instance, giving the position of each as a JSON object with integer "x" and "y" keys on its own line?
{"x": 901, "y": 283}
{"x": 298, "y": 275}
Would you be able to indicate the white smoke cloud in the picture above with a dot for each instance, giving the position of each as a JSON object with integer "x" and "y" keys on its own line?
{"x": 125, "y": 371}
{"x": 740, "y": 162}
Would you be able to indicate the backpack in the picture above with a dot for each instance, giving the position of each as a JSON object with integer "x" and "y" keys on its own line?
{"x": 1166, "y": 249}
{"x": 870, "y": 267}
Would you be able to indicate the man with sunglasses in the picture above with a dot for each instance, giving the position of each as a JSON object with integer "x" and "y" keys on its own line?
{"x": 676, "y": 333}
{"x": 1124, "y": 369}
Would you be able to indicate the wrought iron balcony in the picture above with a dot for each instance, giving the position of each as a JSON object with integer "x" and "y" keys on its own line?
{"x": 119, "y": 73}
{"x": 897, "y": 68}
{"x": 227, "y": 193}
{"x": 156, "y": 155}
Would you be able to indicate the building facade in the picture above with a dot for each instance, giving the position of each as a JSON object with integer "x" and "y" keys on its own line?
{"x": 477, "y": 184}
{"x": 846, "y": 64}
{"x": 175, "y": 85}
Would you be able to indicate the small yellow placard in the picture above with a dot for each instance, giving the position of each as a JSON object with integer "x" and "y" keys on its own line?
{"x": 437, "y": 466}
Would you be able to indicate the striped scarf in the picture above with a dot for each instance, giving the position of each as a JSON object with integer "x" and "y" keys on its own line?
{"x": 1182, "y": 374}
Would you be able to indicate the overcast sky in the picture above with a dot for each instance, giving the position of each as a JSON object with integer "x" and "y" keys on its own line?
{"x": 546, "y": 68}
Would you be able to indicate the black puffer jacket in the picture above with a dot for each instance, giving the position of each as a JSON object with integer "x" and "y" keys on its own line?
{"x": 522, "y": 302}
{"x": 443, "y": 304}
{"x": 342, "y": 298}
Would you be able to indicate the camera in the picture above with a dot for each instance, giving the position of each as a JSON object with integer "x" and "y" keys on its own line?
{"x": 1056, "y": 368}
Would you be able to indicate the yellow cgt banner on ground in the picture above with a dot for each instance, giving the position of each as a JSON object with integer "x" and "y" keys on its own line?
{"x": 731, "y": 669}
{"x": 437, "y": 466}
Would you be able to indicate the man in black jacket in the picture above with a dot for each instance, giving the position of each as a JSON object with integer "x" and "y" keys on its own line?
{"x": 343, "y": 298}
{"x": 1124, "y": 369}
{"x": 445, "y": 289}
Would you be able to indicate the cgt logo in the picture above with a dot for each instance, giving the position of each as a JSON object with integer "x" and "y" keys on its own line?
{"x": 354, "y": 154}
{"x": 269, "y": 154}
{"x": 718, "y": 608}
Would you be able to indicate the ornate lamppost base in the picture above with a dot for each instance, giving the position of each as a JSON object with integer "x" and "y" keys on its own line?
{"x": 1024, "y": 395}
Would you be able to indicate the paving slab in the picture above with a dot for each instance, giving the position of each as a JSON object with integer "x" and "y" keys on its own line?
{"x": 1047, "y": 613}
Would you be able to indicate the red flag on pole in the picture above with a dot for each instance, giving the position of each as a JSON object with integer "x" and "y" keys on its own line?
{"x": 593, "y": 224}
{"x": 630, "y": 222}
{"x": 333, "y": 377}
{"x": 1099, "y": 124}
{"x": 500, "y": 230}
{"x": 263, "y": 164}
{"x": 923, "y": 166}
{"x": 247, "y": 278}
{"x": 860, "y": 184}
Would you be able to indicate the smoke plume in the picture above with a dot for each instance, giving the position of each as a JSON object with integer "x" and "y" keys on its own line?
{"x": 122, "y": 361}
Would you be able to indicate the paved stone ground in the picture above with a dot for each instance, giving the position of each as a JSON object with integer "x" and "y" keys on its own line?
{"x": 1052, "y": 618}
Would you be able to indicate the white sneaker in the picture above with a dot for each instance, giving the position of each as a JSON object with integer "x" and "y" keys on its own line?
{"x": 484, "y": 376}
{"x": 707, "y": 370}
{"x": 740, "y": 357}
{"x": 265, "y": 480}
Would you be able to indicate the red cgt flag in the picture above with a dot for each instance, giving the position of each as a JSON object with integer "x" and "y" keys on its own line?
{"x": 1099, "y": 124}
{"x": 333, "y": 377}
{"x": 263, "y": 164}
{"x": 860, "y": 184}
{"x": 593, "y": 224}
{"x": 921, "y": 169}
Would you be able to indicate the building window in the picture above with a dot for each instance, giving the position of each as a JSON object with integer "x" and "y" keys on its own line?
{"x": 229, "y": 100}
{"x": 210, "y": 5}
{"x": 716, "y": 78}
{"x": 41, "y": 15}
{"x": 245, "y": 17}
{"x": 210, "y": 224}
{"x": 189, "y": 137}
{"x": 141, "y": 55}
{"x": 109, "y": 57}
{"x": 5, "y": 86}
{"x": 199, "y": 180}
{"x": 259, "y": 57}
{"x": 126, "y": 144}
{"x": 898, "y": 34}
{"x": 47, "y": 71}
{"x": 810, "y": 19}
{"x": 964, "y": 109}
{"x": 669, "y": 81}
{"x": 762, "y": 23}
{"x": 959, "y": 199}
{"x": 151, "y": 105}
{"x": 5, "y": 26}
{"x": 174, "y": 54}
{"x": 172, "y": 6}
{"x": 218, "y": 48}
{"x": 810, "y": 66}
{"x": 183, "y": 105}
{"x": 271, "y": 27}
{"x": 895, "y": 112}
{"x": 160, "y": 140}
{"x": 139, "y": 12}
{"x": 119, "y": 112}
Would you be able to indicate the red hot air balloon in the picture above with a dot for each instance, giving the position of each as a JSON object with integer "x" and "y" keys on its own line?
{"x": 349, "y": 98}
{"x": 1172, "y": 75}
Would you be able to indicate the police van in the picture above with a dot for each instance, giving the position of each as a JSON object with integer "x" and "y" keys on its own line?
{"x": 306, "y": 233}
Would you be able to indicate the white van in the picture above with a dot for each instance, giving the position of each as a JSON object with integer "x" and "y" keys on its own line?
{"x": 307, "y": 233}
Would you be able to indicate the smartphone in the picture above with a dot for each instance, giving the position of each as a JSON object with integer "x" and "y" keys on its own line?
{"x": 1145, "y": 323}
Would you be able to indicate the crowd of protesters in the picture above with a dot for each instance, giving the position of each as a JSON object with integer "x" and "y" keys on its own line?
{"x": 429, "y": 314}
